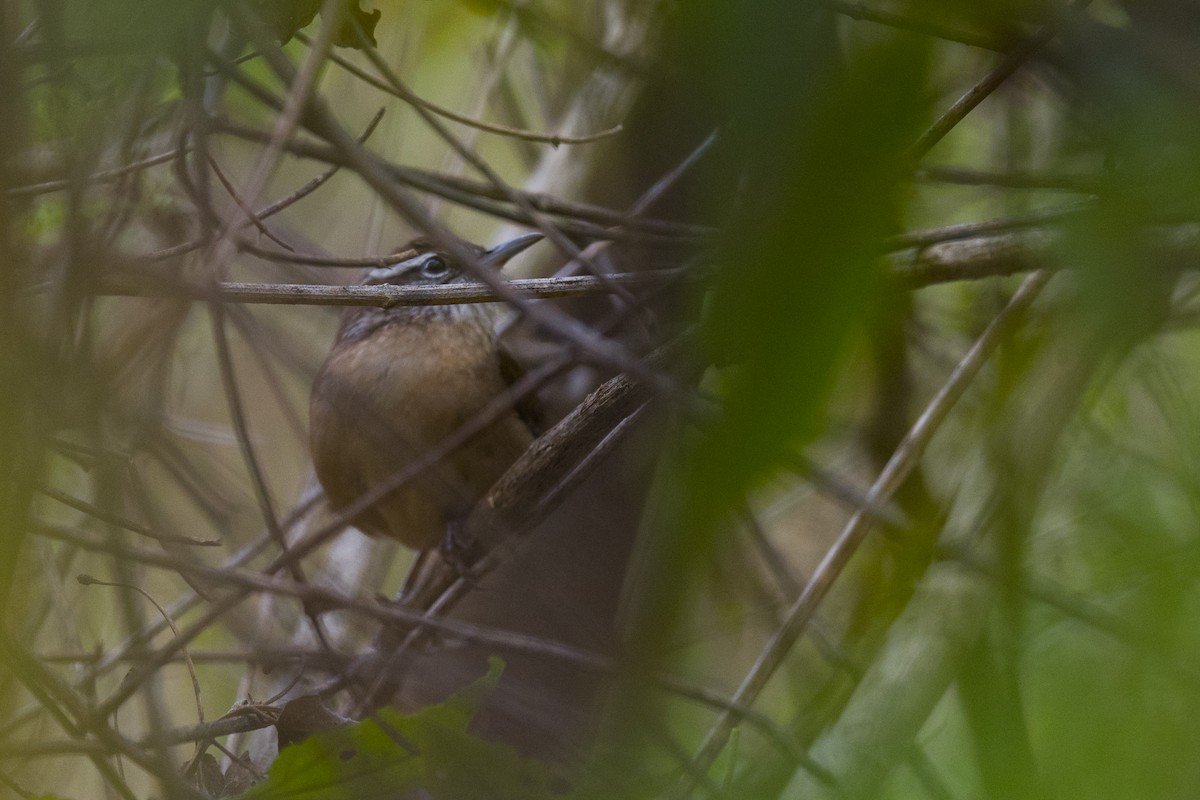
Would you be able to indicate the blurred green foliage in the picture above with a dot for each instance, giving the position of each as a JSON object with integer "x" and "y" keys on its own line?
{"x": 811, "y": 177}
{"x": 1073, "y": 464}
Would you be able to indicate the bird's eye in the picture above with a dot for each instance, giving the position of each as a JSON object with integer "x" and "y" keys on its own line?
{"x": 435, "y": 267}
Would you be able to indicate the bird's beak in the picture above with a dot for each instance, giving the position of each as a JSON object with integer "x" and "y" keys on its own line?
{"x": 499, "y": 255}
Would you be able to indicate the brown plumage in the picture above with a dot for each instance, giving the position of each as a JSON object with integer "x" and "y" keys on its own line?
{"x": 399, "y": 381}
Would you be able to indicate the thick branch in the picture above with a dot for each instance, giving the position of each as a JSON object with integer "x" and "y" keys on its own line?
{"x": 518, "y": 501}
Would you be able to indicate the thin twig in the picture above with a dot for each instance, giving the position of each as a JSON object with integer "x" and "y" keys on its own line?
{"x": 1078, "y": 608}
{"x": 474, "y": 194}
{"x": 61, "y": 701}
{"x": 394, "y": 615}
{"x": 313, "y": 260}
{"x": 273, "y": 208}
{"x": 844, "y": 492}
{"x": 258, "y": 478}
{"x": 992, "y": 81}
{"x": 301, "y": 88}
{"x": 106, "y": 176}
{"x": 409, "y": 96}
{"x": 120, "y": 522}
{"x": 1046, "y": 181}
{"x": 860, "y": 11}
{"x": 242, "y": 719}
{"x": 88, "y": 580}
{"x": 237, "y": 416}
{"x": 967, "y": 230}
{"x": 788, "y": 587}
{"x": 138, "y": 639}
{"x": 250, "y": 332}
{"x": 263, "y": 657}
{"x": 252, "y": 217}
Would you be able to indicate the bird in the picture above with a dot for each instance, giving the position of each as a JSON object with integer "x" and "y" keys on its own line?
{"x": 397, "y": 382}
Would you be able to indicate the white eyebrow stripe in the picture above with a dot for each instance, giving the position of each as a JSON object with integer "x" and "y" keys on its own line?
{"x": 395, "y": 270}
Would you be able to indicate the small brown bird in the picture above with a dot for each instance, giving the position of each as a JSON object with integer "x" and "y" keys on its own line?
{"x": 397, "y": 382}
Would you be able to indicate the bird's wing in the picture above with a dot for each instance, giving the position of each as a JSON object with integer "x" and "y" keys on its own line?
{"x": 528, "y": 408}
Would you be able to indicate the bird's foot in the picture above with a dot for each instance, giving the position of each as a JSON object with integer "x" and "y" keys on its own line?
{"x": 459, "y": 550}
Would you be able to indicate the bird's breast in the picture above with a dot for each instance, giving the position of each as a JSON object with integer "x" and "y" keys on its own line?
{"x": 425, "y": 376}
{"x": 384, "y": 400}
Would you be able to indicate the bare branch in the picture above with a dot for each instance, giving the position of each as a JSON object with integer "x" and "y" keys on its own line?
{"x": 1008, "y": 65}
{"x": 552, "y": 139}
{"x": 861, "y": 11}
{"x": 898, "y": 468}
{"x": 388, "y": 296}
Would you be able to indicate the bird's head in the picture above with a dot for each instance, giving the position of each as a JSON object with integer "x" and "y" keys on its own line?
{"x": 426, "y": 263}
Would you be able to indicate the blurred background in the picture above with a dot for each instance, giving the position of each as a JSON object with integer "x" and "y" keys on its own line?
{"x": 876, "y": 462}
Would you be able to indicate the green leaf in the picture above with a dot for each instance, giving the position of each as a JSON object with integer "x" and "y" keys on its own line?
{"x": 285, "y": 17}
{"x": 347, "y": 36}
{"x": 392, "y": 753}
